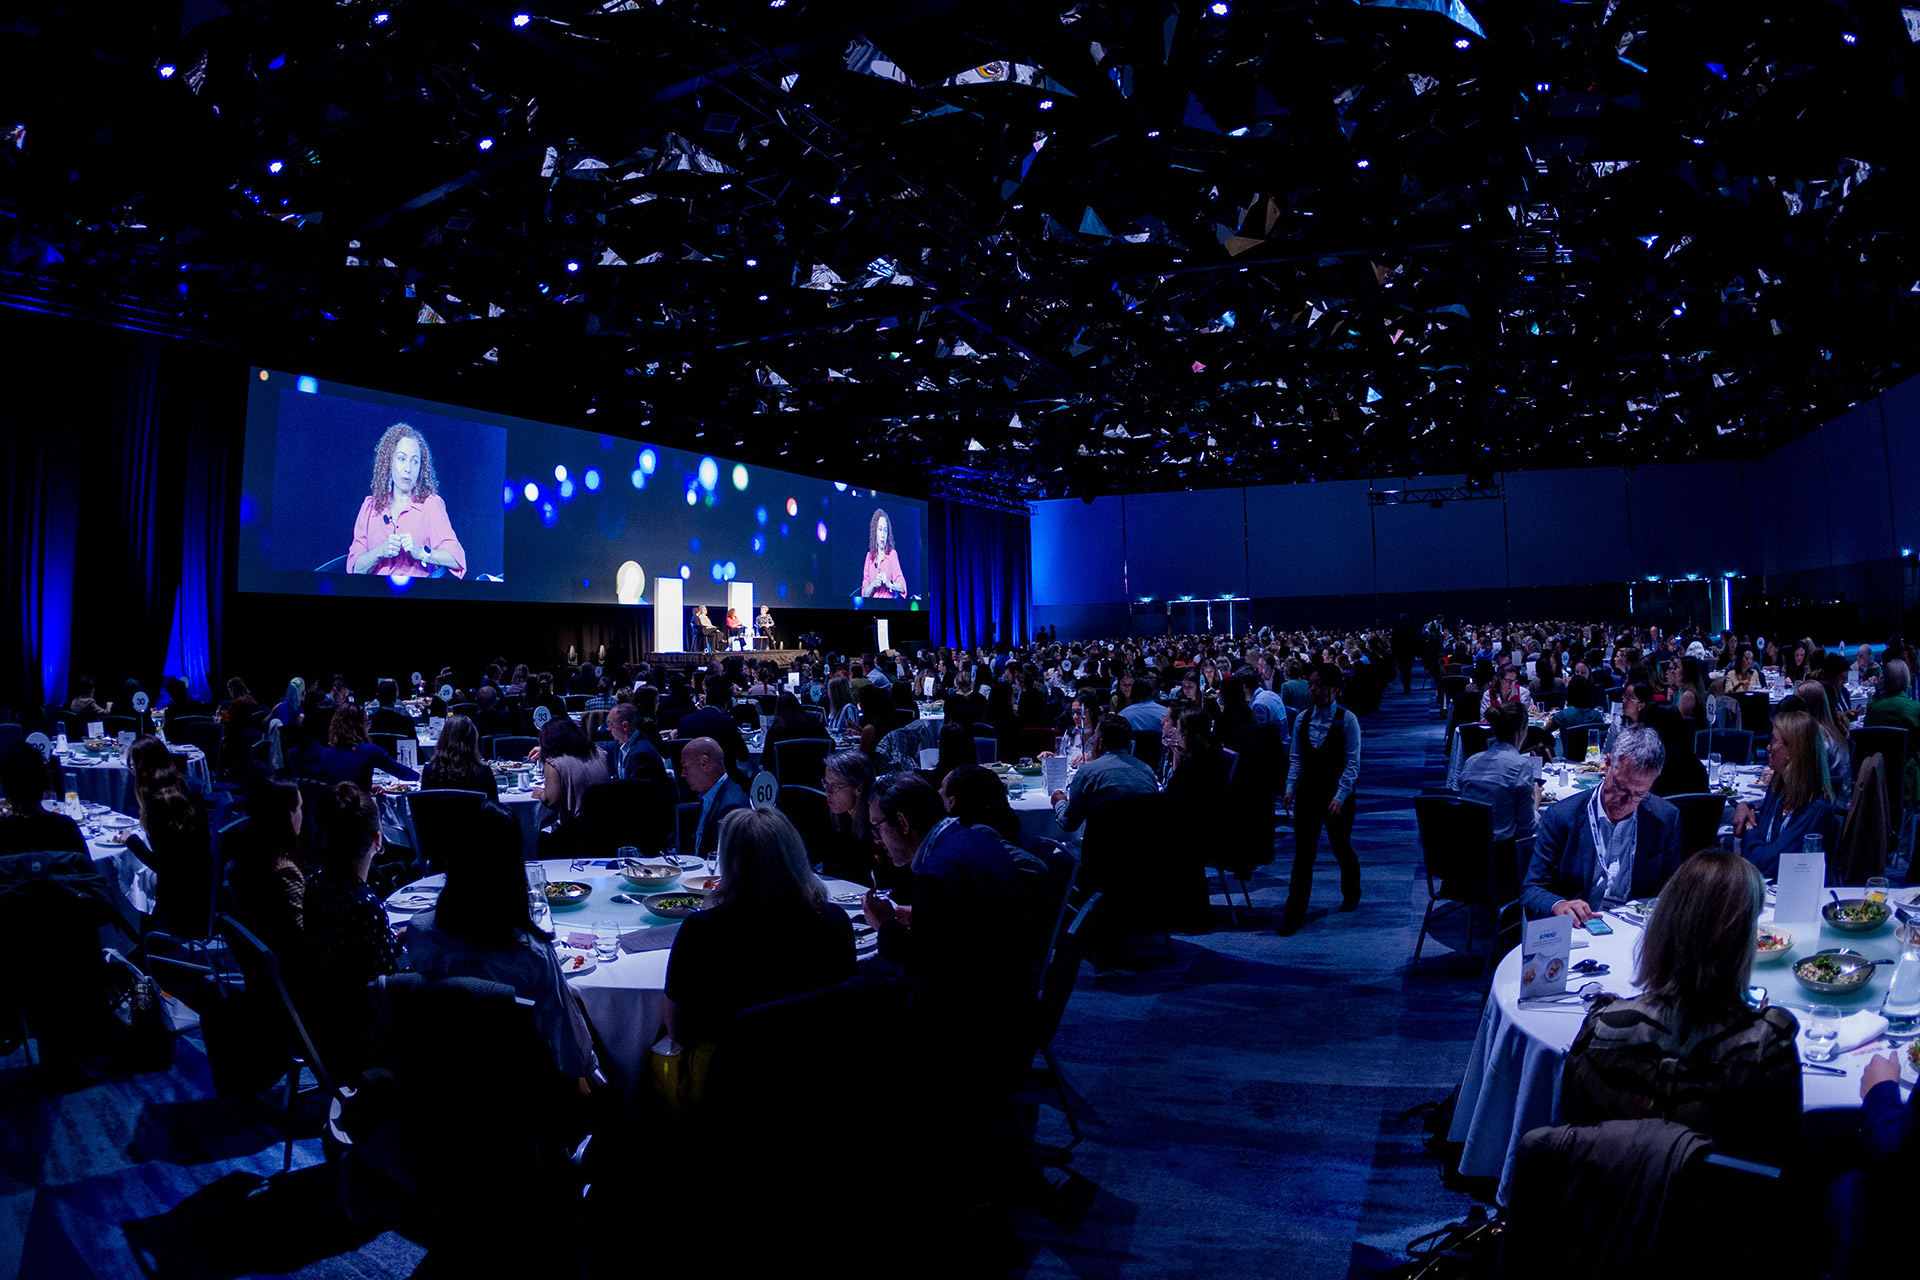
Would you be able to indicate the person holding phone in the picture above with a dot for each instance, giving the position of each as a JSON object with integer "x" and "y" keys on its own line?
{"x": 881, "y": 578}
{"x": 402, "y": 527}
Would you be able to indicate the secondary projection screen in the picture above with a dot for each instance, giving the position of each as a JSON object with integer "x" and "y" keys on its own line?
{"x": 354, "y": 492}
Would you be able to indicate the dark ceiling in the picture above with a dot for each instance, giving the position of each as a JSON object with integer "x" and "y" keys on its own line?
{"x": 1004, "y": 246}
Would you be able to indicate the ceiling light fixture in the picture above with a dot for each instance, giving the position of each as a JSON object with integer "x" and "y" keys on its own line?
{"x": 522, "y": 19}
{"x": 485, "y": 144}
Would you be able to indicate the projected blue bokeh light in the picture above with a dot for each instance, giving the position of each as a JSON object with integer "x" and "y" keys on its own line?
{"x": 639, "y": 478}
{"x": 647, "y": 461}
{"x": 592, "y": 479}
{"x": 760, "y": 515}
{"x": 532, "y": 491}
{"x": 739, "y": 476}
{"x": 709, "y": 473}
{"x": 686, "y": 571}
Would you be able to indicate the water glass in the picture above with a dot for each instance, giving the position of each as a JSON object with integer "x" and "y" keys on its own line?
{"x": 624, "y": 854}
{"x": 606, "y": 939}
{"x": 537, "y": 906}
{"x": 1876, "y": 889}
{"x": 1823, "y": 1031}
{"x": 1714, "y": 776}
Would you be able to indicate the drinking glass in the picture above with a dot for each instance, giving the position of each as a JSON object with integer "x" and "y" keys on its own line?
{"x": 537, "y": 895}
{"x": 606, "y": 939}
{"x": 1823, "y": 1031}
{"x": 624, "y": 854}
{"x": 1876, "y": 889}
{"x": 1713, "y": 769}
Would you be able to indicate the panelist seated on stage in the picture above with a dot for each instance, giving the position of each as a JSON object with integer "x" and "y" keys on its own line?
{"x": 403, "y": 527}
{"x": 1610, "y": 845}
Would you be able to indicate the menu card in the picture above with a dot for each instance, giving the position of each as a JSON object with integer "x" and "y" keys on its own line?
{"x": 929, "y": 757}
{"x": 1053, "y": 773}
{"x": 96, "y": 729}
{"x": 1802, "y": 880}
{"x": 1544, "y": 945}
{"x": 433, "y": 726}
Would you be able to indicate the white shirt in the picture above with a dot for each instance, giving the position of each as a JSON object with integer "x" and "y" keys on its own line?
{"x": 1614, "y": 844}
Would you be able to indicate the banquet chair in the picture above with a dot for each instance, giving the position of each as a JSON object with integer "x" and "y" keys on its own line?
{"x": 1700, "y": 814}
{"x": 10, "y": 734}
{"x": 1886, "y": 741}
{"x": 1147, "y": 746}
{"x": 618, "y": 813}
{"x": 52, "y": 966}
{"x": 509, "y": 746}
{"x": 806, "y": 808}
{"x": 467, "y": 709}
{"x": 480, "y": 1129}
{"x": 1456, "y": 843}
{"x": 1473, "y": 739}
{"x": 799, "y": 761}
{"x": 574, "y": 702}
{"x": 686, "y": 819}
{"x": 1037, "y": 738}
{"x": 1574, "y": 739}
{"x": 1142, "y": 851}
{"x": 987, "y": 749}
{"x": 1070, "y": 950}
{"x": 1734, "y": 745}
{"x": 387, "y": 742}
{"x": 267, "y": 994}
{"x": 815, "y": 713}
{"x": 442, "y": 825}
{"x": 1756, "y": 714}
{"x": 117, "y": 725}
{"x": 1452, "y": 686}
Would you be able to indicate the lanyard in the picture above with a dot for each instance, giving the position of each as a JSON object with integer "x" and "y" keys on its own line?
{"x": 1601, "y": 847}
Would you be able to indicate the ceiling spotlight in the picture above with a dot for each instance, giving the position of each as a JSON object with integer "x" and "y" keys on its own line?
{"x": 1679, "y": 309}
{"x": 1541, "y": 86}
{"x": 1362, "y": 163}
{"x": 753, "y": 262}
{"x": 166, "y": 70}
{"x": 1847, "y": 37}
{"x": 485, "y": 144}
{"x": 1046, "y": 104}
{"x": 1466, "y": 226}
{"x": 1463, "y": 43}
{"x": 763, "y": 297}
{"x": 834, "y": 198}
{"x": 1153, "y": 133}
{"x": 776, "y": 4}
{"x": 275, "y": 166}
{"x": 522, "y": 19}
{"x": 1218, "y": 8}
{"x": 573, "y": 266}
{"x": 380, "y": 19}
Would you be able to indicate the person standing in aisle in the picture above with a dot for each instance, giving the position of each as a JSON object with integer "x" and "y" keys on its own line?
{"x": 1320, "y": 779}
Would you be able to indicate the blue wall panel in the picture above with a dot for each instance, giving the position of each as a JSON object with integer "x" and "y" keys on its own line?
{"x": 1687, "y": 518}
{"x": 1558, "y": 524}
{"x": 1309, "y": 539}
{"x": 1800, "y": 505}
{"x": 1456, "y": 546}
{"x": 1077, "y": 552}
{"x": 1858, "y": 504}
{"x": 1187, "y": 544}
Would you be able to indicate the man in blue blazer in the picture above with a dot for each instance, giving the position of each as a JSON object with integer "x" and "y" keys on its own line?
{"x": 705, "y": 766}
{"x": 1609, "y": 845}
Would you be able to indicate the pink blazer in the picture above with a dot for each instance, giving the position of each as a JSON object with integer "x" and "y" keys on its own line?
{"x": 425, "y": 519}
{"x": 885, "y": 569}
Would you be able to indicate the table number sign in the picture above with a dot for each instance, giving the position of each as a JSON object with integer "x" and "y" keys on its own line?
{"x": 1802, "y": 880}
{"x": 766, "y": 789}
{"x": 141, "y": 702}
{"x": 446, "y": 693}
{"x": 540, "y": 717}
{"x": 1544, "y": 946}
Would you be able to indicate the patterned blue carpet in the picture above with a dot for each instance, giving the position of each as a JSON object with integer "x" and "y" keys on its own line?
{"x": 1240, "y": 1105}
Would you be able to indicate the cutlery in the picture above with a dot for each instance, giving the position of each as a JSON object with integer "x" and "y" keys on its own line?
{"x": 1807, "y": 1064}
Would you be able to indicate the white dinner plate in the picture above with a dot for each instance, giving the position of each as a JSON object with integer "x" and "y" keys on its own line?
{"x": 851, "y": 901}
{"x": 573, "y": 963}
{"x": 91, "y": 807}
{"x": 118, "y": 821}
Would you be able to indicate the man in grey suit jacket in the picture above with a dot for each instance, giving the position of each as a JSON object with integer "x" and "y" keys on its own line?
{"x": 1609, "y": 845}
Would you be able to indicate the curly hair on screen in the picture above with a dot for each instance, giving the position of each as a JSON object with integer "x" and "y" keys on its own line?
{"x": 382, "y": 486}
{"x": 873, "y": 530}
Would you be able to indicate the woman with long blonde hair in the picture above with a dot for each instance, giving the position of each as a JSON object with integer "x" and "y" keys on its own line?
{"x": 1799, "y": 800}
{"x": 1833, "y": 730}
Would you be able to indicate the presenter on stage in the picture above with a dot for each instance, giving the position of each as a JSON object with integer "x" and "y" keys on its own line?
{"x": 402, "y": 526}
{"x": 881, "y": 579}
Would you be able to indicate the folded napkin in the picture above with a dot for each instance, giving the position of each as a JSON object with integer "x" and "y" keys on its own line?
{"x": 412, "y": 901}
{"x": 655, "y": 938}
{"x": 1855, "y": 1030}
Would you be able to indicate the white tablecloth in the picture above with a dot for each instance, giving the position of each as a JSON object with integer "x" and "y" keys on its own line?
{"x": 624, "y": 998}
{"x": 396, "y": 815}
{"x": 133, "y": 881}
{"x": 1512, "y": 1081}
{"x": 110, "y": 782}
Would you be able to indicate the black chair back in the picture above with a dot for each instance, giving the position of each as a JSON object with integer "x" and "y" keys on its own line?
{"x": 1140, "y": 851}
{"x": 1756, "y": 714}
{"x": 192, "y": 730}
{"x": 1147, "y": 746}
{"x": 1473, "y": 739}
{"x": 987, "y": 750}
{"x": 799, "y": 762}
{"x": 10, "y": 734}
{"x": 1734, "y": 745}
{"x": 1700, "y": 814}
{"x": 620, "y": 813}
{"x": 443, "y": 823}
{"x": 1063, "y": 967}
{"x": 686, "y": 820}
{"x": 467, "y": 709}
{"x": 387, "y": 742}
{"x": 53, "y": 978}
{"x": 1890, "y": 742}
{"x": 1574, "y": 739}
{"x": 1453, "y": 686}
{"x": 509, "y": 746}
{"x": 1455, "y": 835}
{"x": 806, "y": 807}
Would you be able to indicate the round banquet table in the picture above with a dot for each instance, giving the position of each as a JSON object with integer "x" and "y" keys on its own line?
{"x": 1512, "y": 1080}
{"x": 107, "y": 780}
{"x": 396, "y": 813}
{"x": 624, "y": 998}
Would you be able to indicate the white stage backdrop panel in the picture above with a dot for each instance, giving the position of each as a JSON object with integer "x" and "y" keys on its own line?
{"x": 1191, "y": 543}
{"x": 669, "y": 615}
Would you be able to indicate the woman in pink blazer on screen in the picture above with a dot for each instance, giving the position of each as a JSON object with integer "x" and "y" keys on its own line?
{"x": 402, "y": 526}
{"x": 882, "y": 579}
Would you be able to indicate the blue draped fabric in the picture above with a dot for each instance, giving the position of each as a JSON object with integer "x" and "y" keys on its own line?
{"x": 115, "y": 449}
{"x": 983, "y": 574}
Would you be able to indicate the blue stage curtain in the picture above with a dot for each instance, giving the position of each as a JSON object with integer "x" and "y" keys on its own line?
{"x": 982, "y": 572}
{"x": 117, "y": 449}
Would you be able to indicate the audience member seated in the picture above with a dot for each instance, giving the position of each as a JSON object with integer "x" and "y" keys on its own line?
{"x": 1144, "y": 712}
{"x": 571, "y": 764}
{"x": 1799, "y": 663}
{"x": 1113, "y": 771}
{"x": 963, "y": 705}
{"x": 790, "y": 722}
{"x": 634, "y": 758}
{"x": 843, "y": 710}
{"x": 1833, "y": 733}
{"x": 386, "y": 715}
{"x": 767, "y": 933}
{"x": 1894, "y": 707}
{"x": 457, "y": 764}
{"x": 703, "y": 764}
{"x": 1546, "y": 688}
{"x": 83, "y": 704}
{"x": 180, "y": 700}
{"x": 351, "y": 756}
{"x": 956, "y": 751}
{"x": 1744, "y": 677}
{"x": 173, "y": 841}
{"x": 1690, "y": 1049}
{"x": 481, "y": 928}
{"x": 291, "y": 709}
{"x": 1579, "y": 709}
{"x": 1799, "y": 799}
{"x": 1683, "y": 774}
{"x": 1502, "y": 778}
{"x": 30, "y": 828}
{"x": 490, "y": 718}
{"x": 975, "y": 796}
{"x": 349, "y": 942}
{"x": 853, "y": 852}
{"x": 1076, "y": 733}
{"x": 1638, "y": 837}
{"x": 269, "y": 888}
{"x": 1506, "y": 687}
{"x": 1198, "y": 766}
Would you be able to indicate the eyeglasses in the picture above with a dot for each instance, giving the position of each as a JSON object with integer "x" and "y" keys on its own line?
{"x": 833, "y": 788}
